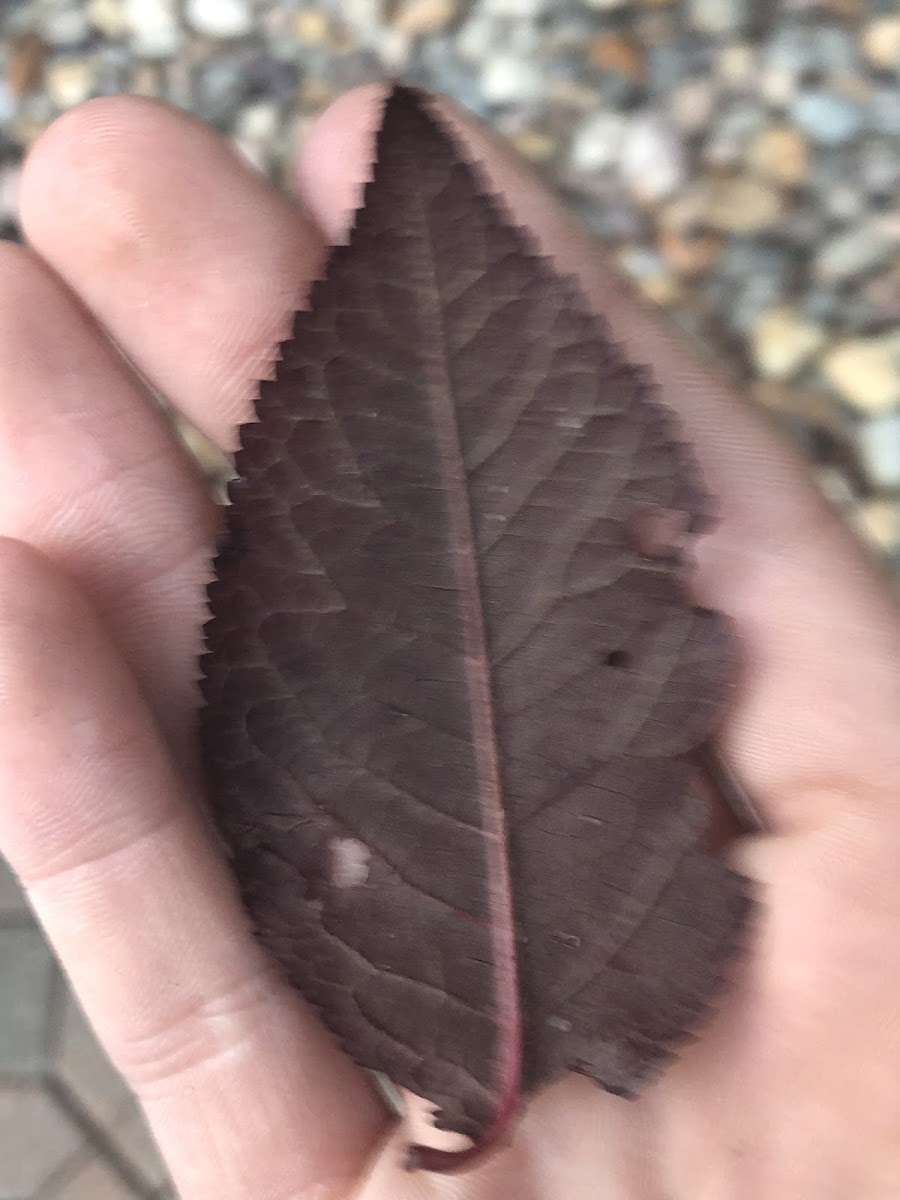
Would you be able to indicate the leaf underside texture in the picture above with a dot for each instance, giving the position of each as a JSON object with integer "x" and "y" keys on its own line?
{"x": 449, "y": 704}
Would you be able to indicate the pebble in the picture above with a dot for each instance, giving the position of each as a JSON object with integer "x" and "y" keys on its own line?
{"x": 827, "y": 118}
{"x": 879, "y": 169}
{"x": 109, "y": 16}
{"x": 784, "y": 341}
{"x": 884, "y": 111}
{"x": 855, "y": 252}
{"x": 154, "y": 28}
{"x": 424, "y": 18}
{"x": 69, "y": 81}
{"x": 879, "y": 443}
{"x": 619, "y": 54}
{"x": 652, "y": 163}
{"x": 9, "y": 186}
{"x": 744, "y": 204}
{"x": 65, "y": 27}
{"x": 533, "y": 144}
{"x": 687, "y": 252}
{"x": 692, "y": 104}
{"x": 26, "y": 63}
{"x": 878, "y": 521}
{"x": 310, "y": 26}
{"x": 220, "y": 18}
{"x": 880, "y": 42}
{"x": 780, "y": 153}
{"x": 598, "y": 141}
{"x": 731, "y": 134}
{"x": 509, "y": 79}
{"x": 865, "y": 372}
{"x": 720, "y": 17}
{"x": 651, "y": 275}
{"x": 738, "y": 67}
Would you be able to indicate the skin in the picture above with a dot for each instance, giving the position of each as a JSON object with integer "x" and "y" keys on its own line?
{"x": 145, "y": 231}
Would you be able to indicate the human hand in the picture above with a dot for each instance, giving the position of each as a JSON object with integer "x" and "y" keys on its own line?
{"x": 146, "y": 230}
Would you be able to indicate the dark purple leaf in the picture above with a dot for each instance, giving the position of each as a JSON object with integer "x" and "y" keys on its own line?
{"x": 453, "y": 683}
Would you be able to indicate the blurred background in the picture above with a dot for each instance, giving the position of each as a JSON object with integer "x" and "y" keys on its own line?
{"x": 739, "y": 158}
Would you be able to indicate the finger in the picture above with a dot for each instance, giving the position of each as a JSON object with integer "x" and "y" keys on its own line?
{"x": 92, "y": 476}
{"x": 814, "y": 726}
{"x": 182, "y": 252}
{"x": 246, "y": 1094}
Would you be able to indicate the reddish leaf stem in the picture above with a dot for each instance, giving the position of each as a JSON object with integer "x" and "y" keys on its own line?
{"x": 487, "y": 765}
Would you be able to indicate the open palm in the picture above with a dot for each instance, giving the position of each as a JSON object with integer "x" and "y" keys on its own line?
{"x": 148, "y": 235}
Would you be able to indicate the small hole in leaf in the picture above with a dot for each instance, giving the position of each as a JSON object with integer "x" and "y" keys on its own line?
{"x": 620, "y": 659}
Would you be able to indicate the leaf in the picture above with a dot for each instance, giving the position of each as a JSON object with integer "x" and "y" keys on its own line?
{"x": 450, "y": 704}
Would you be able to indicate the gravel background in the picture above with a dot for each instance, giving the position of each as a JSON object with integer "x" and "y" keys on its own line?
{"x": 740, "y": 157}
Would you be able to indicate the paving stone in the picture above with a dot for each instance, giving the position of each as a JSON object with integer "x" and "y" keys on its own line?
{"x": 36, "y": 1140}
{"x": 12, "y": 898}
{"x": 137, "y": 1145}
{"x": 82, "y": 1065}
{"x": 94, "y": 1180}
{"x": 26, "y": 976}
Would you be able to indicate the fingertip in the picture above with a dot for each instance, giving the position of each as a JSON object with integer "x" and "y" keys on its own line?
{"x": 335, "y": 158}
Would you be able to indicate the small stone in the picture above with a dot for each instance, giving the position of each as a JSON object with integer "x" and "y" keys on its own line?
{"x": 692, "y": 104}
{"x": 879, "y": 443}
{"x": 719, "y": 17}
{"x": 783, "y": 342}
{"x": 423, "y": 18}
{"x": 884, "y": 111}
{"x": 652, "y": 162}
{"x": 619, "y": 54}
{"x": 827, "y": 118}
{"x": 258, "y": 122}
{"x": 25, "y": 64}
{"x": 155, "y": 32}
{"x": 146, "y": 80}
{"x": 855, "y": 253}
{"x": 882, "y": 294}
{"x": 109, "y": 17}
{"x": 865, "y": 372}
{"x": 879, "y": 168}
{"x": 509, "y": 79}
{"x": 744, "y": 204}
{"x": 650, "y": 274}
{"x": 880, "y": 42}
{"x": 598, "y": 141}
{"x": 836, "y": 488}
{"x": 66, "y": 27}
{"x": 845, "y": 203}
{"x": 878, "y": 522}
{"x": 689, "y": 252}
{"x": 732, "y": 131}
{"x": 519, "y": 10}
{"x": 310, "y": 26}
{"x": 836, "y": 50}
{"x": 532, "y": 144}
{"x": 393, "y": 47}
{"x": 220, "y": 18}
{"x": 737, "y": 65}
{"x": 663, "y": 290}
{"x": 780, "y": 153}
{"x": 69, "y": 81}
